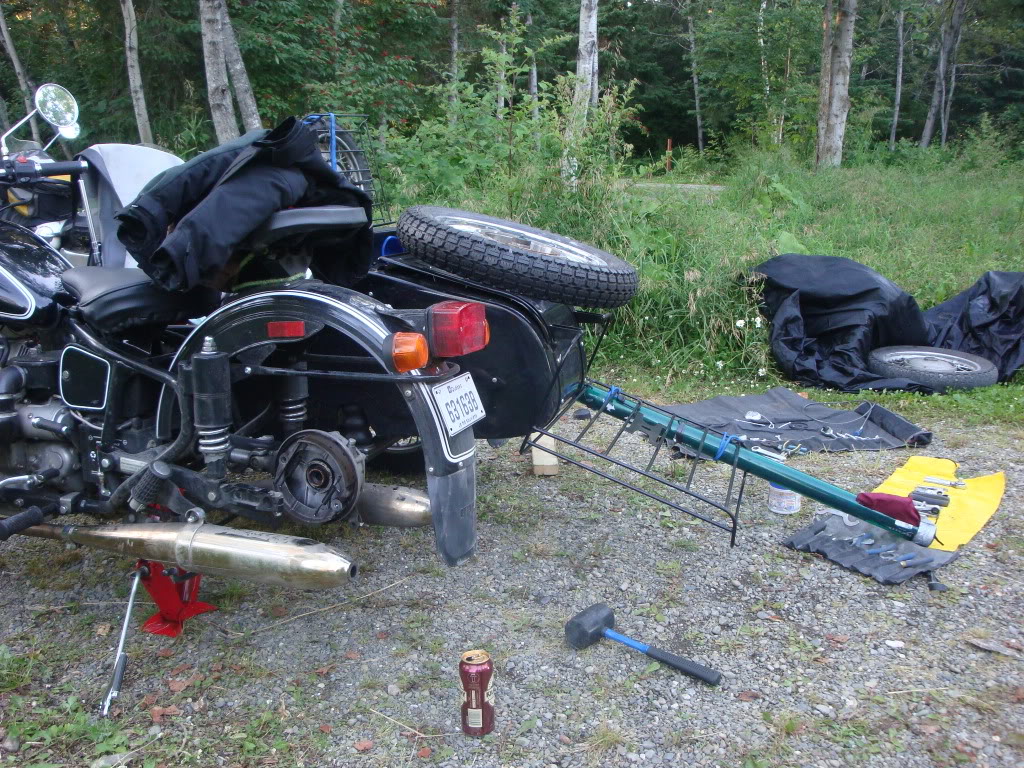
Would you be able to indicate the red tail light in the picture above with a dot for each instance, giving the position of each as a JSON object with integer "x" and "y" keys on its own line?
{"x": 458, "y": 328}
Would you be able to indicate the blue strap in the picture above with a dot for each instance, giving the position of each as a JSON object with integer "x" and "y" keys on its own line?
{"x": 613, "y": 393}
{"x": 723, "y": 443}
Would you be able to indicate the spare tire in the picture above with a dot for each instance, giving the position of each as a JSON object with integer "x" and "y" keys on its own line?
{"x": 515, "y": 257}
{"x": 938, "y": 368}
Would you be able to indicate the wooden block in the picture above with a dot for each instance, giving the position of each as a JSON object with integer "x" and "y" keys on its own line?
{"x": 543, "y": 462}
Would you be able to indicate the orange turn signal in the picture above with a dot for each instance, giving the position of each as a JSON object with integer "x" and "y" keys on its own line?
{"x": 409, "y": 351}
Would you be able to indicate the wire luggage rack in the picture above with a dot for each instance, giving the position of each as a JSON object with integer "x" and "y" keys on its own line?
{"x": 654, "y": 475}
{"x": 653, "y": 470}
{"x": 349, "y": 147}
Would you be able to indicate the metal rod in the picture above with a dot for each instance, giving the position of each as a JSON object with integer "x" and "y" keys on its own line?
{"x": 120, "y": 657}
{"x": 715, "y": 446}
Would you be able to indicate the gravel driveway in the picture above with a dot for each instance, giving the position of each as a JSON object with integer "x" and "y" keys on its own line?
{"x": 822, "y": 667}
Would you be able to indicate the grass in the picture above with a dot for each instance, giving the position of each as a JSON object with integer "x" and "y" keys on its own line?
{"x": 931, "y": 222}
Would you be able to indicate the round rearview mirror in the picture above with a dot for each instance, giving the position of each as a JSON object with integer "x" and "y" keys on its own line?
{"x": 70, "y": 131}
{"x": 56, "y": 105}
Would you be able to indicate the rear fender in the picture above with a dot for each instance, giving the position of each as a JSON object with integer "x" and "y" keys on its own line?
{"x": 451, "y": 461}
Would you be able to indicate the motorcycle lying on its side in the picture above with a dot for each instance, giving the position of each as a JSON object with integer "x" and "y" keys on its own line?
{"x": 123, "y": 401}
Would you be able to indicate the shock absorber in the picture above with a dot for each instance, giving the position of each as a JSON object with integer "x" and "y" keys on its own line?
{"x": 292, "y": 394}
{"x": 211, "y": 396}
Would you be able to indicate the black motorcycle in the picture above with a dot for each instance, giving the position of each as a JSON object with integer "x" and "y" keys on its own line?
{"x": 124, "y": 401}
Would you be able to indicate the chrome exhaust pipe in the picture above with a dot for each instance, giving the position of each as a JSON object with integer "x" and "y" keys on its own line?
{"x": 267, "y": 558}
{"x": 393, "y": 505}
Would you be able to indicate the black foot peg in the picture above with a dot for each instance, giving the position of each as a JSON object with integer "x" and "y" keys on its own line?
{"x": 150, "y": 486}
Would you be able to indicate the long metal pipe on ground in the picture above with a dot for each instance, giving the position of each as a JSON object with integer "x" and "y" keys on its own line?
{"x": 267, "y": 558}
{"x": 709, "y": 444}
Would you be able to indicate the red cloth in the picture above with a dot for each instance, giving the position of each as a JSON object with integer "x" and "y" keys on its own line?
{"x": 896, "y": 507}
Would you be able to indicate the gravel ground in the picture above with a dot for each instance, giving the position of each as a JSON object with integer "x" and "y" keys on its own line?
{"x": 822, "y": 667}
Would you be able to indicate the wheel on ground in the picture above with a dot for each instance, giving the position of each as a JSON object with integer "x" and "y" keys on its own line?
{"x": 938, "y": 368}
{"x": 404, "y": 457}
{"x": 515, "y": 257}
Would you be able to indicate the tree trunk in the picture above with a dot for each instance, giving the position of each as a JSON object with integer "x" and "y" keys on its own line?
{"x": 764, "y": 60}
{"x": 594, "y": 78}
{"x": 839, "y": 86}
{"x": 949, "y": 103}
{"x": 781, "y": 120}
{"x": 218, "y": 92}
{"x": 5, "y": 120}
{"x": 586, "y": 60}
{"x": 824, "y": 78}
{"x": 19, "y": 71}
{"x": 532, "y": 86}
{"x": 696, "y": 81}
{"x": 453, "y": 48}
{"x": 239, "y": 77}
{"x": 131, "y": 53}
{"x": 949, "y": 39}
{"x": 900, "y": 45}
{"x": 339, "y": 6}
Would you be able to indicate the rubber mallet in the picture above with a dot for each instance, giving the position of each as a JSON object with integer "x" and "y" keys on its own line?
{"x": 587, "y": 627}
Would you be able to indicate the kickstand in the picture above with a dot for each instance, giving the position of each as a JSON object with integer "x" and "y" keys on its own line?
{"x": 121, "y": 658}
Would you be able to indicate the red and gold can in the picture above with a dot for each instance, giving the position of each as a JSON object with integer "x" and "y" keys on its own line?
{"x": 476, "y": 670}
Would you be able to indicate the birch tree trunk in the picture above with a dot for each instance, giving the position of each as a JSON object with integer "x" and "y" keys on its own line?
{"x": 247, "y": 108}
{"x": 831, "y": 155}
{"x": 949, "y": 39}
{"x": 949, "y": 103}
{"x": 19, "y": 71}
{"x": 824, "y": 77}
{"x": 453, "y": 51}
{"x": 764, "y": 60}
{"x": 218, "y": 92}
{"x": 131, "y": 54}
{"x": 900, "y": 45}
{"x": 532, "y": 83}
{"x": 781, "y": 120}
{"x": 586, "y": 60}
{"x": 696, "y": 79}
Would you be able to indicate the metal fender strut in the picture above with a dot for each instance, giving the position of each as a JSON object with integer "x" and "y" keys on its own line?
{"x": 664, "y": 428}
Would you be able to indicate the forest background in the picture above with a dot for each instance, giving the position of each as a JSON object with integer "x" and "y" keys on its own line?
{"x": 581, "y": 118}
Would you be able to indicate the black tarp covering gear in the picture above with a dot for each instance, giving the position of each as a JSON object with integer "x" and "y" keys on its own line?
{"x": 827, "y": 313}
{"x": 987, "y": 319}
{"x": 214, "y": 201}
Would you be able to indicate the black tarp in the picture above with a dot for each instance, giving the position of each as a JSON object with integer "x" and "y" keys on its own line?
{"x": 782, "y": 419}
{"x": 827, "y": 313}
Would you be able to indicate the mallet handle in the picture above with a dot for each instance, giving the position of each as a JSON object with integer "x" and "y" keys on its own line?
{"x": 686, "y": 666}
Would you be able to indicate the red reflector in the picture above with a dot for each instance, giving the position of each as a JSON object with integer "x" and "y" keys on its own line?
{"x": 286, "y": 329}
{"x": 457, "y": 328}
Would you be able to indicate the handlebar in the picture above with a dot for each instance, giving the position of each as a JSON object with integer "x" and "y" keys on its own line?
{"x": 31, "y": 169}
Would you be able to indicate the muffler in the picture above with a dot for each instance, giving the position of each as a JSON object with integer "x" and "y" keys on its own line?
{"x": 267, "y": 558}
{"x": 393, "y": 505}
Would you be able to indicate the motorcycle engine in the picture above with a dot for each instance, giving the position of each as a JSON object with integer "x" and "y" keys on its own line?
{"x": 28, "y": 449}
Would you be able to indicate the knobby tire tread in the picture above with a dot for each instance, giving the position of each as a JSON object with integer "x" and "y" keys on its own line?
{"x": 535, "y": 275}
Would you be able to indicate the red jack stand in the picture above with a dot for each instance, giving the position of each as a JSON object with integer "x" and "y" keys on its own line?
{"x": 175, "y": 597}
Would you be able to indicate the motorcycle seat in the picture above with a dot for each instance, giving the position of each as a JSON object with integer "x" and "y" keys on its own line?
{"x": 292, "y": 222}
{"x": 113, "y": 300}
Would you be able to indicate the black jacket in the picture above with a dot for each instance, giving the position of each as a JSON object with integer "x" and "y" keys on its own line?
{"x": 214, "y": 201}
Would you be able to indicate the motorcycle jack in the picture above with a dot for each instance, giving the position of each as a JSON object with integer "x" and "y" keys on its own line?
{"x": 175, "y": 592}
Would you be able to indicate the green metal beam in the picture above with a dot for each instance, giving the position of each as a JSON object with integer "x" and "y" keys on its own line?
{"x": 709, "y": 444}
